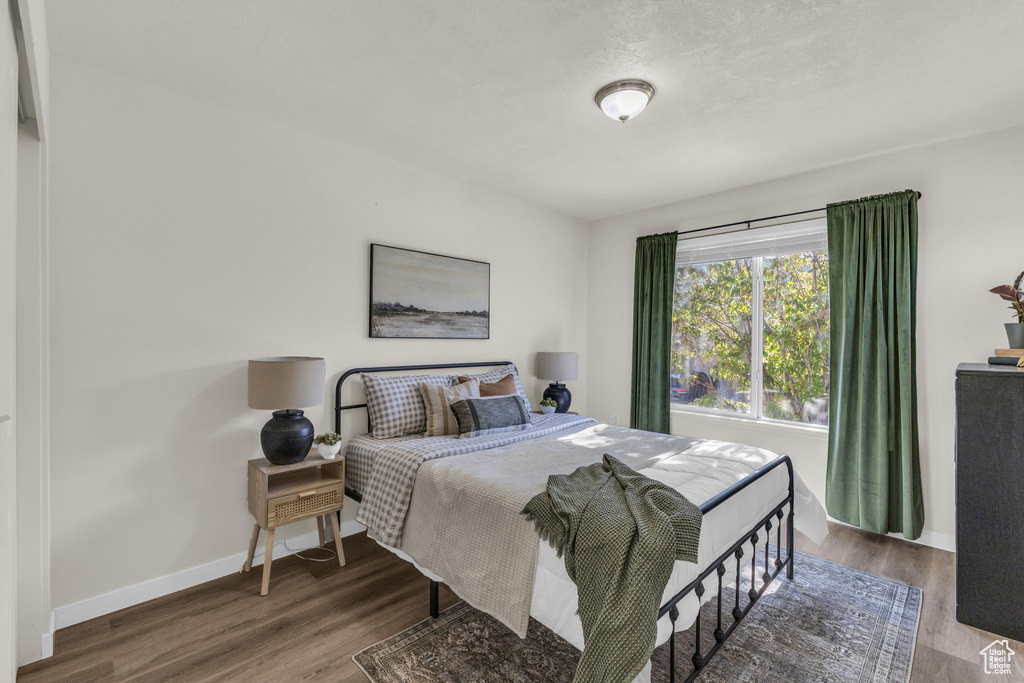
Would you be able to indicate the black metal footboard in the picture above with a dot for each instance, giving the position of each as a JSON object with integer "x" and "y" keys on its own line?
{"x": 700, "y": 659}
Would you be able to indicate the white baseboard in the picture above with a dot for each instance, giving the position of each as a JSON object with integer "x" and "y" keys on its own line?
{"x": 929, "y": 538}
{"x": 165, "y": 585}
{"x": 940, "y": 541}
{"x": 48, "y": 638}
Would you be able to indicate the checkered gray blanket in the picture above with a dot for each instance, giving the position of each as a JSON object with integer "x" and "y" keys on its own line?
{"x": 396, "y": 462}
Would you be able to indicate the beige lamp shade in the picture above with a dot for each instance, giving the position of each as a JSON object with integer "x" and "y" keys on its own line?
{"x": 558, "y": 366}
{"x": 286, "y": 382}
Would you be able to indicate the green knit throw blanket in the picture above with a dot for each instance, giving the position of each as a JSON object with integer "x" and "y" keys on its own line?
{"x": 620, "y": 533}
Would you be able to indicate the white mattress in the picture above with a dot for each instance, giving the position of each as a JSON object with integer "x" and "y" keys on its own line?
{"x": 699, "y": 473}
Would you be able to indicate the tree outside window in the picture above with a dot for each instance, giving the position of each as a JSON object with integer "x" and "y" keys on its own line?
{"x": 772, "y": 308}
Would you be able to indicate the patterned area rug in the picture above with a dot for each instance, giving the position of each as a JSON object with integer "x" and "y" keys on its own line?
{"x": 832, "y": 623}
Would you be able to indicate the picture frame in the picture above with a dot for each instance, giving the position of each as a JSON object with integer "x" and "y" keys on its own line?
{"x": 421, "y": 295}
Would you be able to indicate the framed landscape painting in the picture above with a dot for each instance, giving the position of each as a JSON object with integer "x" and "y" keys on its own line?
{"x": 414, "y": 294}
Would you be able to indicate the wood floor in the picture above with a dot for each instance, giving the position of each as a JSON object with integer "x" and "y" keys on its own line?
{"x": 318, "y": 615}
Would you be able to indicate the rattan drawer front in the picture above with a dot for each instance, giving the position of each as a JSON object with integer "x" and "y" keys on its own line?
{"x": 316, "y": 501}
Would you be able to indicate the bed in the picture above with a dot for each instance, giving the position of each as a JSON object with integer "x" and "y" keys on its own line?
{"x": 451, "y": 507}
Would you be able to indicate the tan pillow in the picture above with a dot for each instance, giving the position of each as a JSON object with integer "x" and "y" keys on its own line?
{"x": 506, "y": 386}
{"x": 437, "y": 401}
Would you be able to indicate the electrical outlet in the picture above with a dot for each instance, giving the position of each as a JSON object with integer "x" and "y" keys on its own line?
{"x": 613, "y": 419}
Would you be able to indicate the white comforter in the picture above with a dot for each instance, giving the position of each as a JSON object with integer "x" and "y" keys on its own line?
{"x": 699, "y": 473}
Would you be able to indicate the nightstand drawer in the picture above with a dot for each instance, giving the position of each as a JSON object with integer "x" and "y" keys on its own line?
{"x": 318, "y": 500}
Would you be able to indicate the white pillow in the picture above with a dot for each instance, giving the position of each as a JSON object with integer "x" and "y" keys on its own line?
{"x": 395, "y": 405}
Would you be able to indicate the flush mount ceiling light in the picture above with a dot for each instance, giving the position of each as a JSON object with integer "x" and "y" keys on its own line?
{"x": 624, "y": 100}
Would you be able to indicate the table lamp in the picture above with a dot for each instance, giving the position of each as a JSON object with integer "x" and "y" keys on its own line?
{"x": 557, "y": 366}
{"x": 284, "y": 385}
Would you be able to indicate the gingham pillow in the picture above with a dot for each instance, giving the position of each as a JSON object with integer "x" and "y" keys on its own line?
{"x": 499, "y": 374}
{"x": 395, "y": 405}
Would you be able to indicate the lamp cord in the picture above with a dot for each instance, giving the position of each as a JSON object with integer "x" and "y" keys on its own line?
{"x": 298, "y": 553}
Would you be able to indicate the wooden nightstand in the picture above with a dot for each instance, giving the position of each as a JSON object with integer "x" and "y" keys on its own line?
{"x": 282, "y": 494}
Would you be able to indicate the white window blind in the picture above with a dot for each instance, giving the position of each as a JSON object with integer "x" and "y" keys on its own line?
{"x": 776, "y": 240}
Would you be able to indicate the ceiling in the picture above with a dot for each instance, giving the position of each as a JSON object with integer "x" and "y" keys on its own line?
{"x": 500, "y": 93}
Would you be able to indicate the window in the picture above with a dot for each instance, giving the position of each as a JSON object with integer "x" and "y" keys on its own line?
{"x": 750, "y": 323}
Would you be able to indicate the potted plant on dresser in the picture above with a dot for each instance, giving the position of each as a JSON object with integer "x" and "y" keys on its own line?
{"x": 328, "y": 445}
{"x": 548, "y": 405}
{"x": 1015, "y": 295}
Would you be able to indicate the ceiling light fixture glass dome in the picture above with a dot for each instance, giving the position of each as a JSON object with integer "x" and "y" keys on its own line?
{"x": 624, "y": 100}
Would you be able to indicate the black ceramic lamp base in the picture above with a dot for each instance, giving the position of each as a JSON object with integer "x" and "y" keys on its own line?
{"x": 287, "y": 437}
{"x": 560, "y": 395}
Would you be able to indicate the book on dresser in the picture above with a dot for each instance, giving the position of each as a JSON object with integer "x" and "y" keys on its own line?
{"x": 990, "y": 498}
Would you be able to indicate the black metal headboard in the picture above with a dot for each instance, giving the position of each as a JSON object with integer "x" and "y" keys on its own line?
{"x": 338, "y": 407}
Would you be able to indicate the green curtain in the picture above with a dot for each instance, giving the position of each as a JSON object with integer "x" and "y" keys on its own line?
{"x": 653, "y": 288}
{"x": 874, "y": 468}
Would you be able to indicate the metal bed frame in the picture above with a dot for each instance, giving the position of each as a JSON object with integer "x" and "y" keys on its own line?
{"x": 771, "y": 568}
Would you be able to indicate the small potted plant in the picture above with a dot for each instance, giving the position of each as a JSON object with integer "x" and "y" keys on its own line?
{"x": 548, "y": 405}
{"x": 1015, "y": 295}
{"x": 328, "y": 445}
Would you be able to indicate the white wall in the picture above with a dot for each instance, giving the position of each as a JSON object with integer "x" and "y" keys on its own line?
{"x": 8, "y": 435}
{"x": 971, "y": 239}
{"x": 185, "y": 239}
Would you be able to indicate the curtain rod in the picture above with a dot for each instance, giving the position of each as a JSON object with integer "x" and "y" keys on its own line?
{"x": 685, "y": 235}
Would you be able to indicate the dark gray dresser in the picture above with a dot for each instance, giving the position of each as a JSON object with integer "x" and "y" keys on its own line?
{"x": 990, "y": 498}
